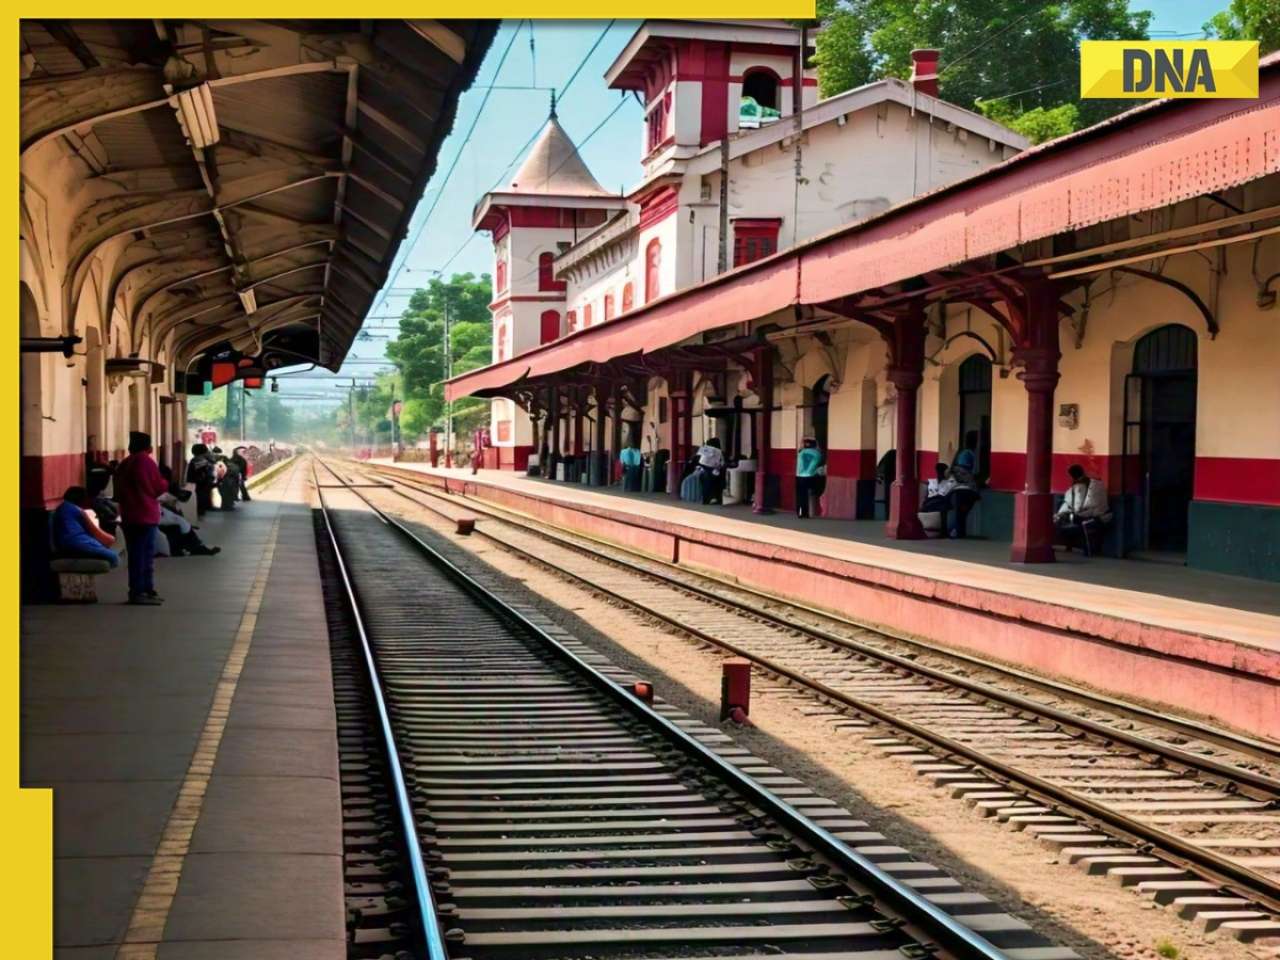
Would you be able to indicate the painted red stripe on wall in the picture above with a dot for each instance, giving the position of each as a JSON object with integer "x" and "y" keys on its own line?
{"x": 851, "y": 463}
{"x": 1238, "y": 480}
{"x": 44, "y": 479}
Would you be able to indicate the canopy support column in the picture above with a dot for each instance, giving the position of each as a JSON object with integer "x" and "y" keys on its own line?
{"x": 681, "y": 382}
{"x": 615, "y": 432}
{"x": 577, "y": 401}
{"x": 906, "y": 373}
{"x": 1033, "y": 531}
{"x": 599, "y": 456}
{"x": 553, "y": 411}
{"x": 763, "y": 434}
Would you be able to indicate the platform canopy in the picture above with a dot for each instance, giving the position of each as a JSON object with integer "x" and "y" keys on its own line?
{"x": 245, "y": 182}
{"x": 982, "y": 240}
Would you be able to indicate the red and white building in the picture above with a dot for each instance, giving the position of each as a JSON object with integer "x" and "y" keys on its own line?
{"x": 569, "y": 255}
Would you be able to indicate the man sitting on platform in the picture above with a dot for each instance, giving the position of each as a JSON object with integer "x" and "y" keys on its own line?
{"x": 1085, "y": 511}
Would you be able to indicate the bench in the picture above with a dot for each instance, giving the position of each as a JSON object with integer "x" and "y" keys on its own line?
{"x": 75, "y": 578}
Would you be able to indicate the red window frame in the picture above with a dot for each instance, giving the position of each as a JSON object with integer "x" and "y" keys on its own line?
{"x": 657, "y": 122}
{"x": 500, "y": 342}
{"x": 608, "y": 307}
{"x": 628, "y": 296}
{"x": 754, "y": 240}
{"x": 547, "y": 274}
{"x": 586, "y": 316}
{"x": 500, "y": 273}
{"x": 550, "y": 329}
{"x": 652, "y": 266}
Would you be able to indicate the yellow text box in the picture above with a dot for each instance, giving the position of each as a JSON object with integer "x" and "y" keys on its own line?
{"x": 1154, "y": 69}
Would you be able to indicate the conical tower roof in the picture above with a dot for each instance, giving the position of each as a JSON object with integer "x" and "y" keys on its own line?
{"x": 555, "y": 168}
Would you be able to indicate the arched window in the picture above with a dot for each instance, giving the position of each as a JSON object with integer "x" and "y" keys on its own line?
{"x": 547, "y": 274}
{"x": 761, "y": 85}
{"x": 500, "y": 274}
{"x": 608, "y": 307}
{"x": 586, "y": 316}
{"x": 500, "y": 343}
{"x": 652, "y": 263}
{"x": 628, "y": 296}
{"x": 571, "y": 320}
{"x": 550, "y": 326}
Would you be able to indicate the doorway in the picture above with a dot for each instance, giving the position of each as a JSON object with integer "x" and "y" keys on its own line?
{"x": 975, "y": 412}
{"x": 1160, "y": 435}
{"x": 821, "y": 404}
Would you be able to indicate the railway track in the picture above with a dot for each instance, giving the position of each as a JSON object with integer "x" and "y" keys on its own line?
{"x": 1185, "y": 812}
{"x": 556, "y": 816}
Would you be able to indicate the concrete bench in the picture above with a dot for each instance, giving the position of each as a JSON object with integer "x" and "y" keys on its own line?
{"x": 76, "y": 576}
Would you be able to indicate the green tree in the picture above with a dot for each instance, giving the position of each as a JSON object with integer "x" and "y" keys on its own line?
{"x": 1025, "y": 55}
{"x": 1248, "y": 20}
{"x": 418, "y": 351}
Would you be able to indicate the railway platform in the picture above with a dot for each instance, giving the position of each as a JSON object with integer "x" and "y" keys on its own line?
{"x": 1200, "y": 643}
{"x": 192, "y": 751}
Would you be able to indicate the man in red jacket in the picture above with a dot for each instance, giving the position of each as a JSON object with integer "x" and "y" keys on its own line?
{"x": 137, "y": 485}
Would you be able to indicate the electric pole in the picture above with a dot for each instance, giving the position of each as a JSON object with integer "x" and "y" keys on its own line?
{"x": 448, "y": 374}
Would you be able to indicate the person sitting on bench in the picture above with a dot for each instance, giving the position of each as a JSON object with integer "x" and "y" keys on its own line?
{"x": 1085, "y": 511}
{"x": 75, "y": 535}
{"x": 963, "y": 494}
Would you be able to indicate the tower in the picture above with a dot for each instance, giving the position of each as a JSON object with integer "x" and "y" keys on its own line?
{"x": 550, "y": 202}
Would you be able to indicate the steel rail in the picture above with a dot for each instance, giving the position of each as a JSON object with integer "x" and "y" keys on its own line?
{"x": 1219, "y": 869}
{"x": 1260, "y": 749}
{"x": 949, "y": 932}
{"x": 427, "y": 914}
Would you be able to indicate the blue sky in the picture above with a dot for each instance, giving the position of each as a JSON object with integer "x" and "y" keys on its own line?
{"x": 440, "y": 236}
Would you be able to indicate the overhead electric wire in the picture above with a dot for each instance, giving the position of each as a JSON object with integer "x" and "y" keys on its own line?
{"x": 408, "y": 246}
{"x": 560, "y": 94}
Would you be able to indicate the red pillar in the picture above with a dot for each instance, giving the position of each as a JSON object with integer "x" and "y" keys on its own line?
{"x": 681, "y": 388}
{"x": 1038, "y": 359}
{"x": 764, "y": 422}
{"x": 906, "y": 373}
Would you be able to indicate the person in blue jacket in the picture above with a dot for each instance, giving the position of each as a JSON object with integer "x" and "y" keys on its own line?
{"x": 75, "y": 535}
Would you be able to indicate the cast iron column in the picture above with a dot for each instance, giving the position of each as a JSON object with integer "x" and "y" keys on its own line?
{"x": 1038, "y": 359}
{"x": 764, "y": 424}
{"x": 906, "y": 373}
{"x": 615, "y": 433}
{"x": 553, "y": 411}
{"x": 599, "y": 456}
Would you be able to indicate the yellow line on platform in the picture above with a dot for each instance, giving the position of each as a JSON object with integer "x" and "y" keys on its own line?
{"x": 151, "y": 912}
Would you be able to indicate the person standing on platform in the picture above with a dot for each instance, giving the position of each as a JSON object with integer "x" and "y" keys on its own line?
{"x": 632, "y": 468}
{"x": 242, "y": 465}
{"x": 201, "y": 473}
{"x": 138, "y": 484}
{"x": 808, "y": 465}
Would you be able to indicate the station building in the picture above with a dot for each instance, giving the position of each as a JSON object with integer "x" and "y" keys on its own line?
{"x": 903, "y": 276}
{"x": 202, "y": 202}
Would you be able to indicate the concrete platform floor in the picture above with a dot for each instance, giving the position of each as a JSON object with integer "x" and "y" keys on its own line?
{"x": 192, "y": 751}
{"x": 1232, "y": 608}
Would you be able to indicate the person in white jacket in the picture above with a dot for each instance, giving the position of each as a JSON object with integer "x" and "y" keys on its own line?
{"x": 1085, "y": 508}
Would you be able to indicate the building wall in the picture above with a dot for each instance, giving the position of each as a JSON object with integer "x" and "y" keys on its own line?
{"x": 1234, "y": 518}
{"x": 880, "y": 157}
